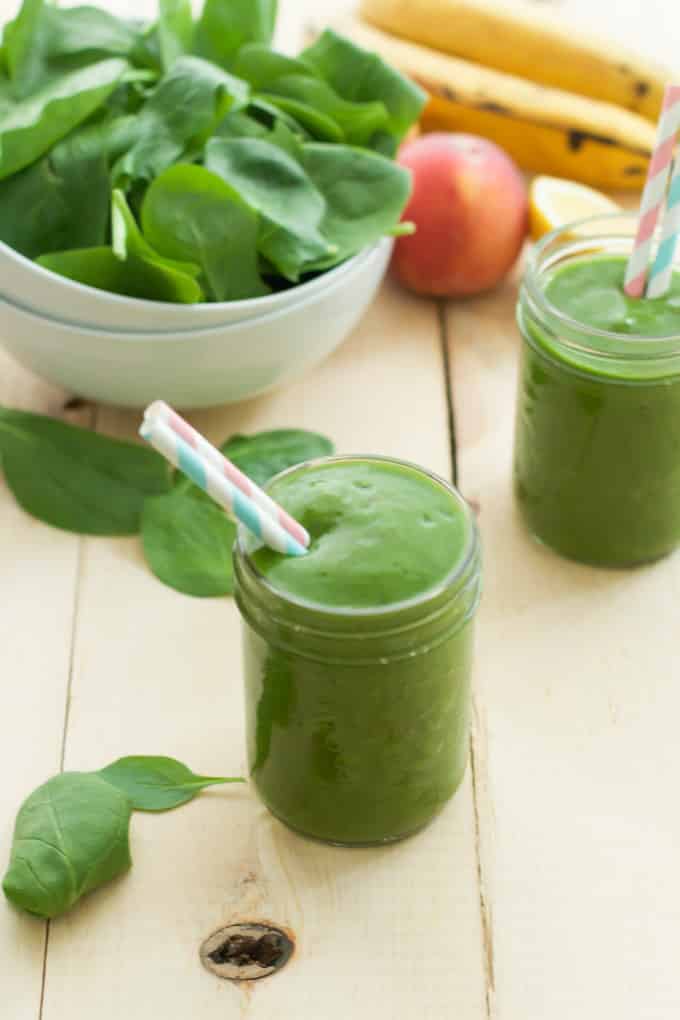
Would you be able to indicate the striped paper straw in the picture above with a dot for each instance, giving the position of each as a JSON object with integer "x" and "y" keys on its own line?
{"x": 654, "y": 192}
{"x": 211, "y": 480}
{"x": 160, "y": 410}
{"x": 662, "y": 270}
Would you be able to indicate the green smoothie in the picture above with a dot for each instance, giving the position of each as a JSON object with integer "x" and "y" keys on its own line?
{"x": 358, "y": 654}
{"x": 597, "y": 464}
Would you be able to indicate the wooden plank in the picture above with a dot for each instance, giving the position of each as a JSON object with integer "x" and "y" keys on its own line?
{"x": 393, "y": 932}
{"x": 574, "y": 748}
{"x": 38, "y": 577}
{"x": 576, "y": 751}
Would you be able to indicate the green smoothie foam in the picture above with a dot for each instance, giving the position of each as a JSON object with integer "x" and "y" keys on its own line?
{"x": 591, "y": 292}
{"x": 597, "y": 463}
{"x": 358, "y": 654}
{"x": 381, "y": 534}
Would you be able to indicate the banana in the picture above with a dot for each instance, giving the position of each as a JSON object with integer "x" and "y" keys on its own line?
{"x": 527, "y": 44}
{"x": 544, "y": 129}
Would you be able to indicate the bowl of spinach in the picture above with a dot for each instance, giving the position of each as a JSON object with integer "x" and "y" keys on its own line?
{"x": 196, "y": 367}
{"x": 184, "y": 174}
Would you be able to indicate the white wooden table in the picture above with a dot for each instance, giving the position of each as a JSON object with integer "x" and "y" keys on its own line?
{"x": 550, "y": 887}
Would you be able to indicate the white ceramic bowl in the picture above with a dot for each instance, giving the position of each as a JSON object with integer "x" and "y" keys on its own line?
{"x": 24, "y": 283}
{"x": 195, "y": 368}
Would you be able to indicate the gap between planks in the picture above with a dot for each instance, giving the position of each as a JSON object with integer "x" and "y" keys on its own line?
{"x": 90, "y": 422}
{"x": 480, "y": 796}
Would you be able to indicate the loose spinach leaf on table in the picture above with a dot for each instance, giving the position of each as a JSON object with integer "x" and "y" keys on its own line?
{"x": 265, "y": 454}
{"x": 359, "y": 75}
{"x": 365, "y": 195}
{"x": 32, "y": 126}
{"x": 158, "y": 783}
{"x": 226, "y": 25}
{"x": 188, "y": 540}
{"x": 188, "y": 213}
{"x": 71, "y": 836}
{"x": 188, "y": 543}
{"x": 181, "y": 113}
{"x": 175, "y": 30}
{"x": 76, "y": 479}
{"x": 135, "y": 276}
{"x": 275, "y": 185}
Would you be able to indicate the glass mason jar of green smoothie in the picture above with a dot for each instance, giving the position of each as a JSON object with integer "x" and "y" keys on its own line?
{"x": 597, "y": 446}
{"x": 358, "y": 654}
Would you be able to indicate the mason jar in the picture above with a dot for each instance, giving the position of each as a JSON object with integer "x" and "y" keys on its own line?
{"x": 357, "y": 718}
{"x": 597, "y": 441}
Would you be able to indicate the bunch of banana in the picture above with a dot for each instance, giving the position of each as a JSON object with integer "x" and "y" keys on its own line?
{"x": 527, "y": 43}
{"x": 556, "y": 103}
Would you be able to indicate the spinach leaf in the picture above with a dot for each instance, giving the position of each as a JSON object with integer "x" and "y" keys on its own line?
{"x": 226, "y": 25}
{"x": 188, "y": 540}
{"x": 365, "y": 195}
{"x": 359, "y": 75}
{"x": 128, "y": 240}
{"x": 358, "y": 122}
{"x": 71, "y": 836}
{"x": 260, "y": 65}
{"x": 265, "y": 454}
{"x": 242, "y": 125}
{"x": 60, "y": 201}
{"x": 269, "y": 115}
{"x": 135, "y": 276}
{"x": 24, "y": 42}
{"x": 175, "y": 30}
{"x": 188, "y": 543}
{"x": 76, "y": 479}
{"x": 44, "y": 40}
{"x": 274, "y": 184}
{"x": 157, "y": 783}
{"x": 181, "y": 113}
{"x": 130, "y": 95}
{"x": 189, "y": 213}
{"x": 34, "y": 124}
{"x": 88, "y": 32}
{"x": 317, "y": 124}
{"x": 108, "y": 134}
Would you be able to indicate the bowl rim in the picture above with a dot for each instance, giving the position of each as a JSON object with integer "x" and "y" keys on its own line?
{"x": 383, "y": 246}
{"x": 265, "y": 301}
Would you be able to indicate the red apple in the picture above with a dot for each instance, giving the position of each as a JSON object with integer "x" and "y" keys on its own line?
{"x": 469, "y": 205}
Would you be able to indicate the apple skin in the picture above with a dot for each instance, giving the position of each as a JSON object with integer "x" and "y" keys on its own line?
{"x": 469, "y": 204}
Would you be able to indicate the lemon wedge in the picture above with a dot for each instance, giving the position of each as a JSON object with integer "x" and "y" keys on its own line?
{"x": 554, "y": 202}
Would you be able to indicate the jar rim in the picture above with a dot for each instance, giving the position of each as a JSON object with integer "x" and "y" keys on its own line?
{"x": 458, "y": 572}
{"x": 537, "y": 294}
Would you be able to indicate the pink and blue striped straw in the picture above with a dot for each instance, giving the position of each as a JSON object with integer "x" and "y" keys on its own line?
{"x": 209, "y": 478}
{"x": 654, "y": 193}
{"x": 661, "y": 273}
{"x": 159, "y": 410}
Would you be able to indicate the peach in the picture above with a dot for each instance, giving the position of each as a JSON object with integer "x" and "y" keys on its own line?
{"x": 469, "y": 205}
